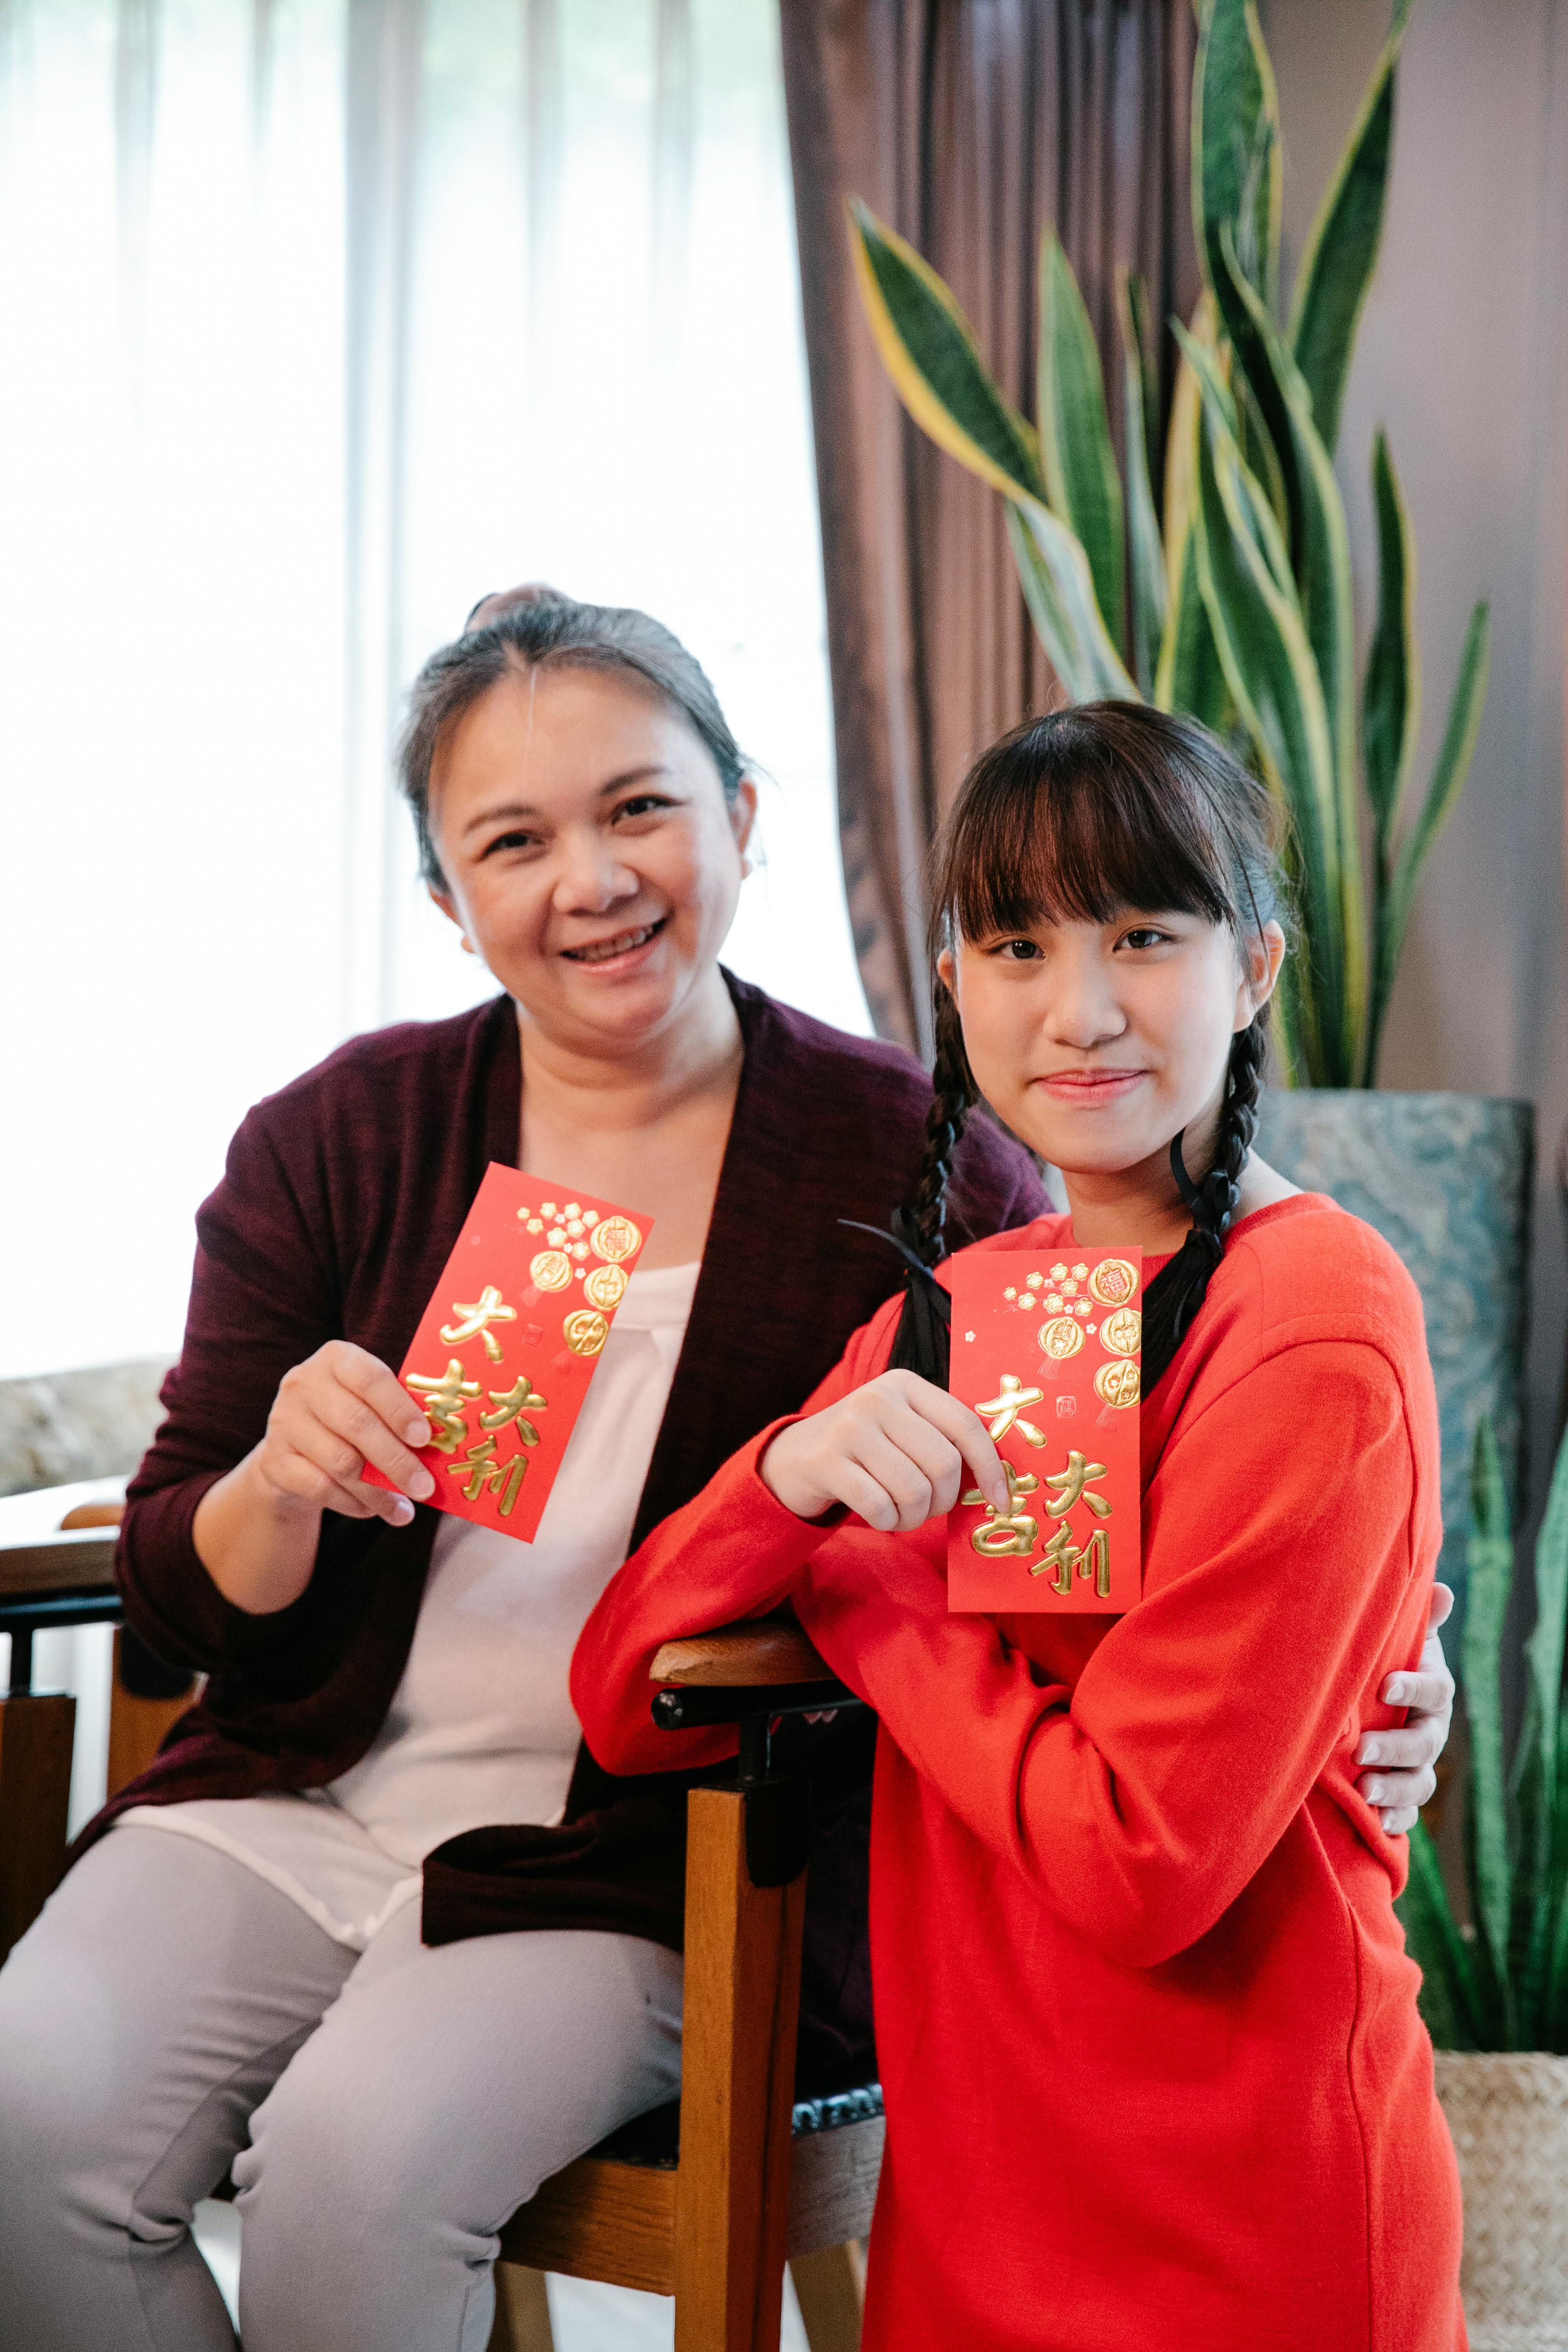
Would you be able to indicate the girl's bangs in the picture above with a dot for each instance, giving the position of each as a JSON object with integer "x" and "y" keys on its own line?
{"x": 1052, "y": 830}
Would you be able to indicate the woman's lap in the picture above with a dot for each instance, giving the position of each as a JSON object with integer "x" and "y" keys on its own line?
{"x": 404, "y": 2101}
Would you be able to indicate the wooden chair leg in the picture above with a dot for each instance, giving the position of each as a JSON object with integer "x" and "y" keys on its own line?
{"x": 522, "y": 2312}
{"x": 737, "y": 2086}
{"x": 830, "y": 2288}
{"x": 37, "y": 1733}
{"x": 137, "y": 1726}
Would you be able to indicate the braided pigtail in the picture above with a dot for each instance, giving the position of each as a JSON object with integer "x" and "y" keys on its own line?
{"x": 921, "y": 1343}
{"x": 1178, "y": 1290}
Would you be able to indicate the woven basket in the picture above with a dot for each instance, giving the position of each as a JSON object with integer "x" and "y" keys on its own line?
{"x": 1509, "y": 2116}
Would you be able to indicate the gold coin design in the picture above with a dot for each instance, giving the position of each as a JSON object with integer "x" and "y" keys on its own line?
{"x": 1113, "y": 1282}
{"x": 616, "y": 1238}
{"x": 550, "y": 1270}
{"x": 1123, "y": 1331}
{"x": 1118, "y": 1383}
{"x": 1061, "y": 1338}
{"x": 586, "y": 1331}
{"x": 604, "y": 1286}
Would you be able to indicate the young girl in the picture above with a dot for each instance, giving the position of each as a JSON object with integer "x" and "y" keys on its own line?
{"x": 1153, "y": 2070}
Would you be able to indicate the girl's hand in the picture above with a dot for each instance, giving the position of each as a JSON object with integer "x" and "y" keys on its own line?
{"x": 338, "y": 1410}
{"x": 896, "y": 1451}
{"x": 1405, "y": 1780}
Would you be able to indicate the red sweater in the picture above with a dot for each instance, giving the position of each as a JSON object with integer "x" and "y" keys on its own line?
{"x": 1153, "y": 2070}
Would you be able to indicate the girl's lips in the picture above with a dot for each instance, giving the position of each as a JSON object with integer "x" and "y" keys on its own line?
{"x": 1086, "y": 1089}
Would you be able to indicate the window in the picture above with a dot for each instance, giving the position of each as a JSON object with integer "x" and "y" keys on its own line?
{"x": 325, "y": 317}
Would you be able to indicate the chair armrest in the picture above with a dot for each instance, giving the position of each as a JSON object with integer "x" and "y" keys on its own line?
{"x": 764, "y": 1668}
{"x": 763, "y": 1650}
{"x": 77, "y": 1559}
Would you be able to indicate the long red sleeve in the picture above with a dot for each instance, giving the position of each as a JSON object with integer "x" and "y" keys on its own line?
{"x": 1148, "y": 2034}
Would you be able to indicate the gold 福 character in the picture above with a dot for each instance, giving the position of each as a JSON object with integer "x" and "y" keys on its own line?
{"x": 477, "y": 1318}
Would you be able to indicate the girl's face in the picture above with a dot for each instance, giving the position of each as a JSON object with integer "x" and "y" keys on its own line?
{"x": 589, "y": 854}
{"x": 1096, "y": 1041}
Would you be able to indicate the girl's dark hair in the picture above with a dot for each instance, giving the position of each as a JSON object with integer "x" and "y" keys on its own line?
{"x": 1077, "y": 816}
{"x": 538, "y": 628}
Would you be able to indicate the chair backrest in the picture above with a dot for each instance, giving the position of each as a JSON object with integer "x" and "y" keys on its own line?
{"x": 62, "y": 1427}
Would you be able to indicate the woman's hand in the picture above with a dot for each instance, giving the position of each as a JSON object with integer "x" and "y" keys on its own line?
{"x": 255, "y": 1530}
{"x": 1407, "y": 1779}
{"x": 895, "y": 1451}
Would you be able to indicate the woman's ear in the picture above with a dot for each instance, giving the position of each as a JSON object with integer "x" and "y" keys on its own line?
{"x": 443, "y": 899}
{"x": 743, "y": 821}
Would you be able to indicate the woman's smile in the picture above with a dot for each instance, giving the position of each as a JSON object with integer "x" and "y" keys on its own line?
{"x": 621, "y": 951}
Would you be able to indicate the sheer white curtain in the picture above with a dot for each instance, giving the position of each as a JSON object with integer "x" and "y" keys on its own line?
{"x": 322, "y": 317}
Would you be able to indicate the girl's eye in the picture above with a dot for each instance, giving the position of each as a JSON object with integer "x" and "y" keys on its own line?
{"x": 1019, "y": 951}
{"x": 1144, "y": 935}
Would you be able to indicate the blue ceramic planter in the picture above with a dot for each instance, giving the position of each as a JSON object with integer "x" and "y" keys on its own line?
{"x": 1446, "y": 1179}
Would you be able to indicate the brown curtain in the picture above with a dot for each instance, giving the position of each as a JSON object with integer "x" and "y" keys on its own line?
{"x": 965, "y": 124}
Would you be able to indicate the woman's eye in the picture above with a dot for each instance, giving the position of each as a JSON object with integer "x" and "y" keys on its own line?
{"x": 643, "y": 805}
{"x": 517, "y": 840}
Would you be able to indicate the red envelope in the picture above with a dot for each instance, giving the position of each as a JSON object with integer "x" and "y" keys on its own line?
{"x": 1046, "y": 1349}
{"x": 502, "y": 1359}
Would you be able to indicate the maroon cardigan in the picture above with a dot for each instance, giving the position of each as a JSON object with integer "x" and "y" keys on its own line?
{"x": 342, "y": 1199}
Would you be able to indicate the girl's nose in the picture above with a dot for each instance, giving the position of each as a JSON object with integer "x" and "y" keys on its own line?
{"x": 1083, "y": 1009}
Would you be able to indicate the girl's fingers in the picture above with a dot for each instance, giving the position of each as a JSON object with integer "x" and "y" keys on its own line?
{"x": 962, "y": 1429}
{"x": 1414, "y": 1749}
{"x": 1398, "y": 1820}
{"x": 1441, "y": 1608}
{"x": 865, "y": 1495}
{"x": 1428, "y": 1693}
{"x": 1399, "y": 1789}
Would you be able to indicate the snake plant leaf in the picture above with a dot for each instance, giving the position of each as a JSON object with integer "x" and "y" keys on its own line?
{"x": 1261, "y": 640}
{"x": 1054, "y": 625}
{"x": 1544, "y": 1650}
{"x": 1447, "y": 777}
{"x": 1452, "y": 1999}
{"x": 1146, "y": 564}
{"x": 1076, "y": 453}
{"x": 1342, "y": 248}
{"x": 1182, "y": 436}
{"x": 1489, "y": 1569}
{"x": 1190, "y": 677}
{"x": 1139, "y": 328}
{"x": 928, "y": 348}
{"x": 1391, "y": 695}
{"x": 1237, "y": 184}
{"x": 1323, "y": 585}
{"x": 1100, "y": 666}
{"x": 1554, "y": 2006}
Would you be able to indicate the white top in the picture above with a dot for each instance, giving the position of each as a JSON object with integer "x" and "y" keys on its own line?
{"x": 481, "y": 1728}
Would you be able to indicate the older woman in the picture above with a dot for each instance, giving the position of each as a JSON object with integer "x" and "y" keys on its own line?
{"x": 307, "y": 1949}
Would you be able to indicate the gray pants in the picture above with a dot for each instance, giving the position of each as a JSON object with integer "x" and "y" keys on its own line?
{"x": 170, "y": 2013}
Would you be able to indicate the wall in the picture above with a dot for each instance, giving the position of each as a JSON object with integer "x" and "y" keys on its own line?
{"x": 1464, "y": 357}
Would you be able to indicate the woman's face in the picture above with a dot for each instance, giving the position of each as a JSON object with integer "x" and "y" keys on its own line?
{"x": 1098, "y": 1042}
{"x": 589, "y": 855}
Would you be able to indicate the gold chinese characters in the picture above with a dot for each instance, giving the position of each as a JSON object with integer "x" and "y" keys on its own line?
{"x": 1061, "y": 1338}
{"x": 614, "y": 1238}
{"x": 444, "y": 1399}
{"x": 1113, "y": 1282}
{"x": 550, "y": 1270}
{"x": 1009, "y": 1533}
{"x": 1117, "y": 1383}
{"x": 605, "y": 1286}
{"x": 1092, "y": 1559}
{"x": 476, "y": 1319}
{"x": 1003, "y": 1410}
{"x": 1123, "y": 1332}
{"x": 585, "y": 1332}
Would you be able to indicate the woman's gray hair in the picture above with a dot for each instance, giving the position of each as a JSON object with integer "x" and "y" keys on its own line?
{"x": 538, "y": 628}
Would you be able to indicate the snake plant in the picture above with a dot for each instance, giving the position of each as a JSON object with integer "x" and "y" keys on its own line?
{"x": 1501, "y": 1983}
{"x": 1214, "y": 577}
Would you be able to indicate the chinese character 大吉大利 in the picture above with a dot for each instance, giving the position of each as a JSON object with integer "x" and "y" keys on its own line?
{"x": 483, "y": 1469}
{"x": 511, "y": 1406}
{"x": 1006, "y": 1534}
{"x": 1075, "y": 1482}
{"x": 444, "y": 1401}
{"x": 1093, "y": 1559}
{"x": 1003, "y": 1410}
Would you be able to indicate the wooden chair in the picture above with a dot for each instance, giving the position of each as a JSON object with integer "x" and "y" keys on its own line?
{"x": 708, "y": 2199}
{"x": 705, "y": 2200}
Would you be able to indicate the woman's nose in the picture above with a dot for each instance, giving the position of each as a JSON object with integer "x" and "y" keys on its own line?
{"x": 590, "y": 876}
